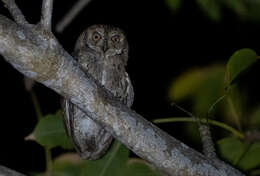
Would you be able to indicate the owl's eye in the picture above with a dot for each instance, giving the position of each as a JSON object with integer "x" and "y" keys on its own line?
{"x": 96, "y": 37}
{"x": 115, "y": 39}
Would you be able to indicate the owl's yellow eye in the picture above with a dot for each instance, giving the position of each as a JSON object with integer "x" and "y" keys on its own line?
{"x": 115, "y": 39}
{"x": 96, "y": 37}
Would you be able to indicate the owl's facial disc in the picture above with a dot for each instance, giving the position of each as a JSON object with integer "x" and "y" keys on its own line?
{"x": 115, "y": 43}
{"x": 96, "y": 39}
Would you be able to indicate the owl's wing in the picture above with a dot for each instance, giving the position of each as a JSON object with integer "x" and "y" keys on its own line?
{"x": 90, "y": 139}
{"x": 129, "y": 91}
{"x": 68, "y": 115}
{"x": 67, "y": 110}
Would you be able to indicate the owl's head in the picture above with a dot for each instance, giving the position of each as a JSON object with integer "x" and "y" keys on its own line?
{"x": 103, "y": 39}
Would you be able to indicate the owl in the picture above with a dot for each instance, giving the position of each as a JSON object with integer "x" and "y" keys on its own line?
{"x": 102, "y": 52}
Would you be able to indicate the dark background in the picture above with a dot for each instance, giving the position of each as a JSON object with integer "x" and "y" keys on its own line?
{"x": 162, "y": 46}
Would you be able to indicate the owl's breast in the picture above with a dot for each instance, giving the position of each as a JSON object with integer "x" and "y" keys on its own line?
{"x": 113, "y": 79}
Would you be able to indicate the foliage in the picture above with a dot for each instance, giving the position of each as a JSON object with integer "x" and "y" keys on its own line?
{"x": 238, "y": 63}
{"x": 245, "y": 10}
{"x": 50, "y": 133}
{"x": 243, "y": 155}
{"x": 215, "y": 92}
{"x": 115, "y": 162}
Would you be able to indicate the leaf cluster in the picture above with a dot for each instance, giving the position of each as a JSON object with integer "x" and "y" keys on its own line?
{"x": 50, "y": 133}
{"x": 215, "y": 92}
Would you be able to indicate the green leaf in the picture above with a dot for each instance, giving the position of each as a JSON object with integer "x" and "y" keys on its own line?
{"x": 66, "y": 169}
{"x": 50, "y": 132}
{"x": 231, "y": 149}
{"x": 251, "y": 158}
{"x": 138, "y": 167}
{"x": 210, "y": 90}
{"x": 174, "y": 5}
{"x": 187, "y": 84}
{"x": 239, "y": 62}
{"x": 211, "y": 8}
{"x": 111, "y": 164}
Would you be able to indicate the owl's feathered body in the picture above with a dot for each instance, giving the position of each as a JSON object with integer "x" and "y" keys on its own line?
{"x": 102, "y": 51}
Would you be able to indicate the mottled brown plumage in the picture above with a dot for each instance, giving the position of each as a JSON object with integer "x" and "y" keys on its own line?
{"x": 102, "y": 51}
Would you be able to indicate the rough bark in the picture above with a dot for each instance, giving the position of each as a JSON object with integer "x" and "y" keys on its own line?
{"x": 35, "y": 52}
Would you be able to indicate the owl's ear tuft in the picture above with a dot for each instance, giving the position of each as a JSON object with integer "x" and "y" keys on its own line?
{"x": 81, "y": 40}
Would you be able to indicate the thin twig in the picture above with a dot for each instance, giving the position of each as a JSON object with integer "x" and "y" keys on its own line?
{"x": 15, "y": 12}
{"x": 46, "y": 17}
{"x": 28, "y": 84}
{"x": 68, "y": 18}
{"x": 202, "y": 120}
{"x": 208, "y": 146}
{"x": 214, "y": 104}
{"x": 36, "y": 105}
{"x": 205, "y": 134}
{"x": 48, "y": 158}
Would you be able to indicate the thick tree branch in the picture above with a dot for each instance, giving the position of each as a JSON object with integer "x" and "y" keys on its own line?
{"x": 15, "y": 12}
{"x": 34, "y": 51}
{"x": 38, "y": 55}
{"x": 46, "y": 17}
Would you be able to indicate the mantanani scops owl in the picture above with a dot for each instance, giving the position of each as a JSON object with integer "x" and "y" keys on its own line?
{"x": 102, "y": 51}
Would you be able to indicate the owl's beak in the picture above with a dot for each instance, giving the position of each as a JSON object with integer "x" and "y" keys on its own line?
{"x": 105, "y": 47}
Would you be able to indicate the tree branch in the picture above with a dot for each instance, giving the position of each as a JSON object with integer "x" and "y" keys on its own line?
{"x": 15, "y": 12}
{"x": 68, "y": 18}
{"x": 36, "y": 53}
{"x": 46, "y": 17}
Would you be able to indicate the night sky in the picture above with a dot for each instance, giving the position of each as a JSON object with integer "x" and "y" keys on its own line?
{"x": 162, "y": 46}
